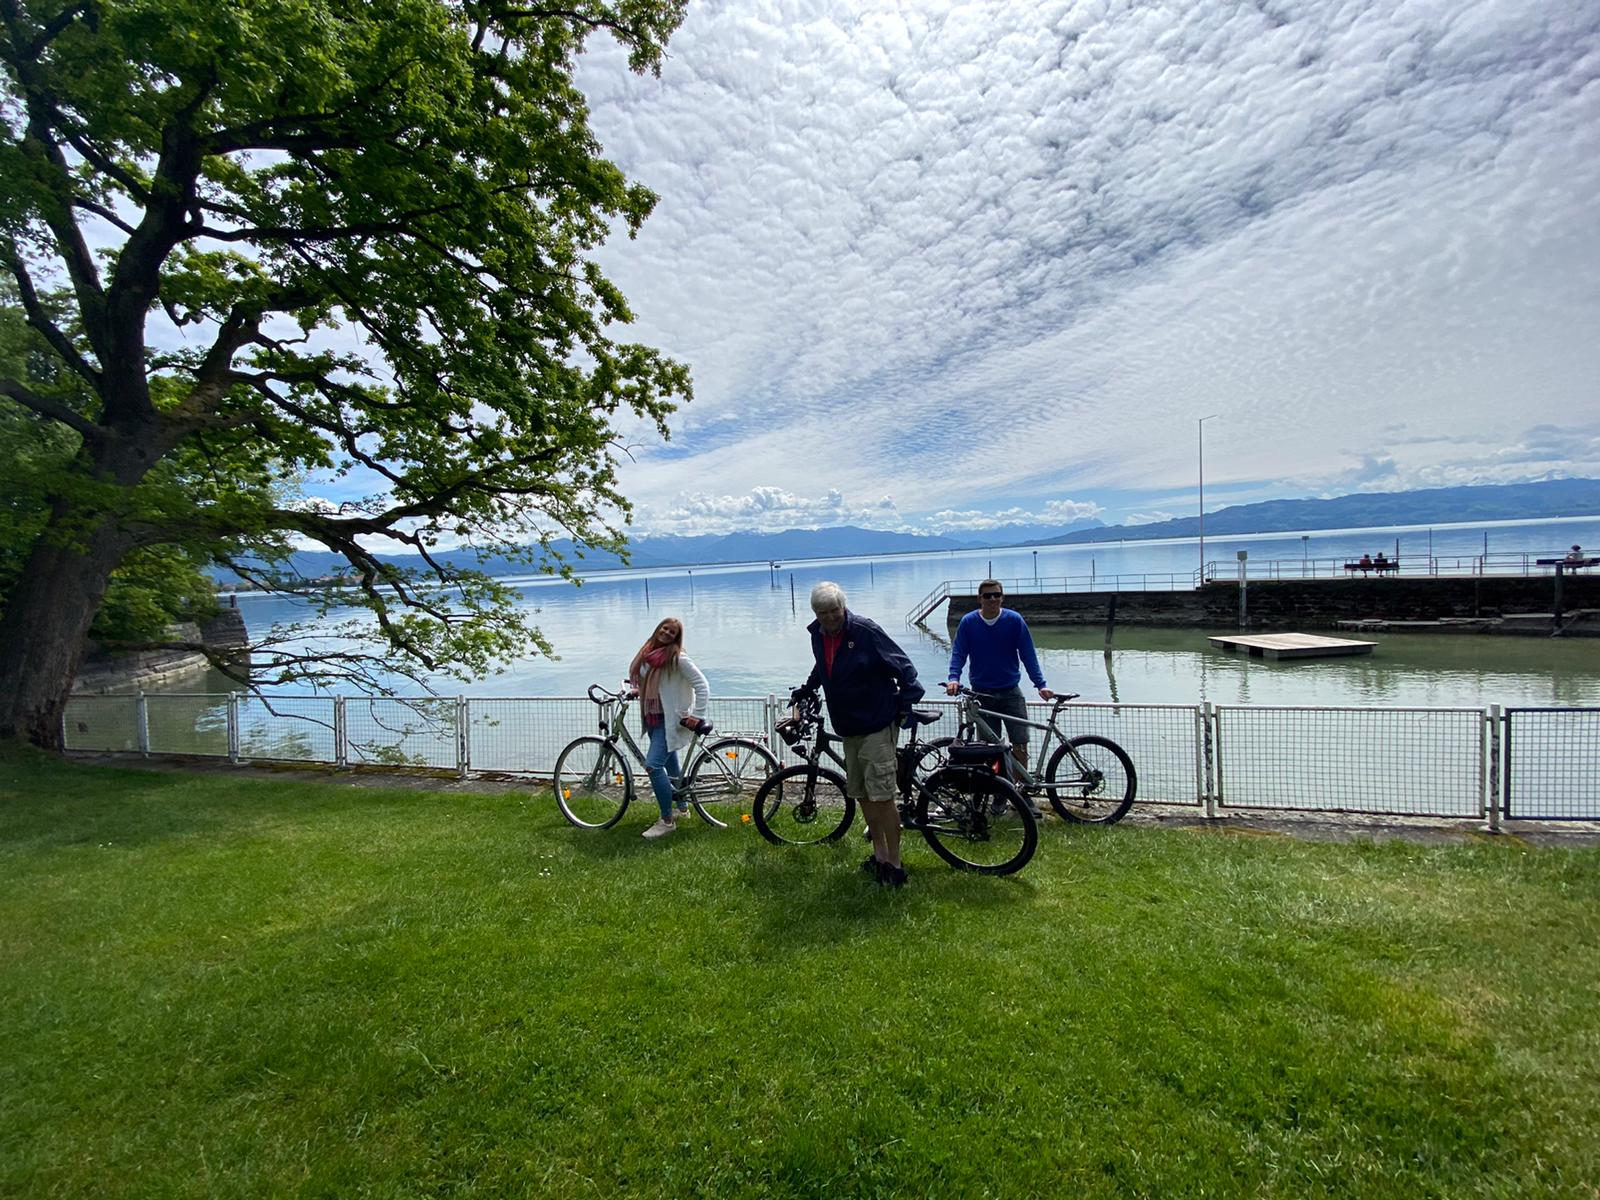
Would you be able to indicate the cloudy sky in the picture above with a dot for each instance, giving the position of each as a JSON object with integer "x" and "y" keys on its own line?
{"x": 940, "y": 266}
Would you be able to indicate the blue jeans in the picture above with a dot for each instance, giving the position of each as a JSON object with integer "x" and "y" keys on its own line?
{"x": 663, "y": 767}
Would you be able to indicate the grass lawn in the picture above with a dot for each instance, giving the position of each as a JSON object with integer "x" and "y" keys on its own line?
{"x": 221, "y": 986}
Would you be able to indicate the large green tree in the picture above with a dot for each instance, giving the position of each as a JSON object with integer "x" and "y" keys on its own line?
{"x": 259, "y": 239}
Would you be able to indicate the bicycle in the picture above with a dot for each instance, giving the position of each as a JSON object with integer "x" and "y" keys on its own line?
{"x": 1088, "y": 780}
{"x": 966, "y": 811}
{"x": 594, "y": 786}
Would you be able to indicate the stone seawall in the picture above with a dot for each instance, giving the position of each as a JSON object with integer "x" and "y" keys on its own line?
{"x": 1307, "y": 603}
{"x": 106, "y": 672}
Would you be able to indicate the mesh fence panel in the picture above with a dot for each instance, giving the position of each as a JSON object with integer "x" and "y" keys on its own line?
{"x": 418, "y": 732}
{"x": 188, "y": 724}
{"x": 1552, "y": 763}
{"x": 1396, "y": 761}
{"x": 526, "y": 735}
{"x": 287, "y": 728}
{"x": 1159, "y": 738}
{"x": 102, "y": 723}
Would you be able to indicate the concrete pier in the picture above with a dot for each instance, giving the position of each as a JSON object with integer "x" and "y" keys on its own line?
{"x": 1322, "y": 603}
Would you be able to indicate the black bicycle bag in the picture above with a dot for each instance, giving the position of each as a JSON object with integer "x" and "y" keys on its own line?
{"x": 987, "y": 755}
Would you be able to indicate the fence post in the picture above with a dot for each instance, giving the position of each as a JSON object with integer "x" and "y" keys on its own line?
{"x": 141, "y": 718}
{"x": 1202, "y": 790}
{"x": 233, "y": 728}
{"x": 461, "y": 737}
{"x": 1497, "y": 767}
{"x": 341, "y": 734}
{"x": 1213, "y": 738}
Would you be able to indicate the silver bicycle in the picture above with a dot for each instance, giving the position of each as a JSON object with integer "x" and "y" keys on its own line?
{"x": 1088, "y": 779}
{"x": 594, "y": 784}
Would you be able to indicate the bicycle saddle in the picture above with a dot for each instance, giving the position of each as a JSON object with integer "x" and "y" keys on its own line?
{"x": 925, "y": 716}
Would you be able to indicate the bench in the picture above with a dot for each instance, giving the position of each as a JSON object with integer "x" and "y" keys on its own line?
{"x": 1379, "y": 567}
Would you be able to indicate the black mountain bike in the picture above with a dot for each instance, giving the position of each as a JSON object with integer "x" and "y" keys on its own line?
{"x": 966, "y": 810}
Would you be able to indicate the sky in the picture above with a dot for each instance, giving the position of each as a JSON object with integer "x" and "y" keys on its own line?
{"x": 946, "y": 266}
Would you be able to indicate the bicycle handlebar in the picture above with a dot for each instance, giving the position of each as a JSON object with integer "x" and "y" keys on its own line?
{"x": 605, "y": 697}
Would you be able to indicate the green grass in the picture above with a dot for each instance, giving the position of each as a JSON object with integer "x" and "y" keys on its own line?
{"x": 223, "y": 986}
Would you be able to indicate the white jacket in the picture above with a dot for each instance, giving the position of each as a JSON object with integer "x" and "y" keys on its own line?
{"x": 684, "y": 693}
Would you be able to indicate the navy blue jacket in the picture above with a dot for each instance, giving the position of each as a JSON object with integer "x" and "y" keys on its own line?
{"x": 873, "y": 683}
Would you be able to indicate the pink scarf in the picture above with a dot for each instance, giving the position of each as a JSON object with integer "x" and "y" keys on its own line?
{"x": 650, "y": 683}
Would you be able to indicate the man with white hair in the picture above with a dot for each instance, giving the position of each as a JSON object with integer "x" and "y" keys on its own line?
{"x": 870, "y": 686}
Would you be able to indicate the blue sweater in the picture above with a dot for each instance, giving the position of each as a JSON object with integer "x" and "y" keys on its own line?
{"x": 995, "y": 650}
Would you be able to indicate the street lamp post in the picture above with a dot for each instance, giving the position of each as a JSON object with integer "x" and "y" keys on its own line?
{"x": 1200, "y": 427}
{"x": 1036, "y": 566}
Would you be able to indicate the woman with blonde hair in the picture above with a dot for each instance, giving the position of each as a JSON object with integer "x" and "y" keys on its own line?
{"x": 673, "y": 700}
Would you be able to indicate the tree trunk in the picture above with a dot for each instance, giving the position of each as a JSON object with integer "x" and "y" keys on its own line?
{"x": 47, "y": 618}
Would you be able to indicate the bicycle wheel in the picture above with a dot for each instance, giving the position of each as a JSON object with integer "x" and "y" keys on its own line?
{"x": 1091, "y": 780}
{"x": 803, "y": 805}
{"x": 592, "y": 783}
{"x": 956, "y": 812}
{"x": 725, "y": 776}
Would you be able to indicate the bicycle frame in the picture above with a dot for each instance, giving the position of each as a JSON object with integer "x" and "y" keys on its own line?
{"x": 972, "y": 722}
{"x": 614, "y": 727}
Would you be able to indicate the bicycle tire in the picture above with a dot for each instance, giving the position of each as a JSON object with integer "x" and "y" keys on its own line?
{"x": 592, "y": 783}
{"x": 724, "y": 777}
{"x": 802, "y": 806}
{"x": 1091, "y": 781}
{"x": 976, "y": 821}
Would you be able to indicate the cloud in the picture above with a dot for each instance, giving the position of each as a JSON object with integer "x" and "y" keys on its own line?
{"x": 1148, "y": 518}
{"x": 763, "y": 508}
{"x": 967, "y": 255}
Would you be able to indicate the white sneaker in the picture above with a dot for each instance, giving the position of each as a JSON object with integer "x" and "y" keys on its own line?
{"x": 660, "y": 829}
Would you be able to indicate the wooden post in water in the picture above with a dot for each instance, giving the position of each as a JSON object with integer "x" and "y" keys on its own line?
{"x": 791, "y": 593}
{"x": 647, "y": 594}
{"x": 1111, "y": 622}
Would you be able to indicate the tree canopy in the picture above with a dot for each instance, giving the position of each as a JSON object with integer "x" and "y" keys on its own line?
{"x": 257, "y": 240}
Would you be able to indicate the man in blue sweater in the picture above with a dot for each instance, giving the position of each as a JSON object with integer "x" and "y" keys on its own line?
{"x": 996, "y": 640}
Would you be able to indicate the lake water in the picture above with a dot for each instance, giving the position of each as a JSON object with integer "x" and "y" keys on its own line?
{"x": 745, "y": 631}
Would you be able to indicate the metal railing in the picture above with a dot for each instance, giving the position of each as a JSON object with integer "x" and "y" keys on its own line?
{"x": 1503, "y": 564}
{"x": 1488, "y": 763}
{"x": 1507, "y": 564}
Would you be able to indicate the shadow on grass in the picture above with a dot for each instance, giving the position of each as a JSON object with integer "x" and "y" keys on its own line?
{"x": 806, "y": 896}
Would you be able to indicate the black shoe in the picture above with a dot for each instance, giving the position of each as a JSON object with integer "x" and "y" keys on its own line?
{"x": 894, "y": 877}
{"x": 870, "y": 865}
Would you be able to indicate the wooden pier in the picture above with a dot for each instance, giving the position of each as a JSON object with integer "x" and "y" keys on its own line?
{"x": 1290, "y": 645}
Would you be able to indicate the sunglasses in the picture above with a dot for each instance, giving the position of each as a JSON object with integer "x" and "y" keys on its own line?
{"x": 989, "y": 595}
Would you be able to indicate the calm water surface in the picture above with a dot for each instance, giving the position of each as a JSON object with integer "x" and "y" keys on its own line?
{"x": 746, "y": 632}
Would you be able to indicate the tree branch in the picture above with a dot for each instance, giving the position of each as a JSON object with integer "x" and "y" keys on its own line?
{"x": 51, "y": 409}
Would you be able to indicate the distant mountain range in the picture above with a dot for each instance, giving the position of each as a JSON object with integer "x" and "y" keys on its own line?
{"x": 1502, "y": 502}
{"x": 1369, "y": 510}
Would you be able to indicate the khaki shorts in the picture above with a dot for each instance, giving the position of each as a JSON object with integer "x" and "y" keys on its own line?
{"x": 869, "y": 765}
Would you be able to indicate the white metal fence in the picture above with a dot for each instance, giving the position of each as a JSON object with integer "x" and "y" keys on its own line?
{"x": 1523, "y": 763}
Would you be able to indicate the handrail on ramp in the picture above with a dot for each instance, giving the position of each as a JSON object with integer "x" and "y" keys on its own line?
{"x": 919, "y": 611}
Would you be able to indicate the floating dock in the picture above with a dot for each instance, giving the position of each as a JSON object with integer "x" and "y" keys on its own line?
{"x": 1290, "y": 645}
